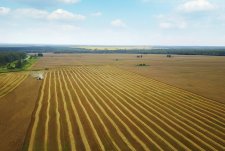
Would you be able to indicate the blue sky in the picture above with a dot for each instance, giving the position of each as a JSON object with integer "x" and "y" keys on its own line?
{"x": 113, "y": 22}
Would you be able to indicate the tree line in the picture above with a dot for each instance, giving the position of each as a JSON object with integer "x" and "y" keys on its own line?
{"x": 8, "y": 57}
{"x": 184, "y": 50}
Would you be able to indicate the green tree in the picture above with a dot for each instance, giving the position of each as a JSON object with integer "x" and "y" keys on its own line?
{"x": 19, "y": 64}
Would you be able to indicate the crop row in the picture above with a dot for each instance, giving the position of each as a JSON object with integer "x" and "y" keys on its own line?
{"x": 10, "y": 81}
{"x": 105, "y": 108}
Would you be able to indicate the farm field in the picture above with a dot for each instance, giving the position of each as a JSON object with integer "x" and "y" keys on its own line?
{"x": 82, "y": 75}
{"x": 15, "y": 113}
{"x": 9, "y": 81}
{"x": 106, "y": 108}
{"x": 106, "y": 102}
{"x": 203, "y": 75}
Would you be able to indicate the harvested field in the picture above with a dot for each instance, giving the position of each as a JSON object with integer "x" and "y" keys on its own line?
{"x": 203, "y": 75}
{"x": 9, "y": 81}
{"x": 15, "y": 114}
{"x": 106, "y": 108}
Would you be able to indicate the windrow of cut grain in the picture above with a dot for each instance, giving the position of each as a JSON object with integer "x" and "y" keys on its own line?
{"x": 9, "y": 81}
{"x": 105, "y": 108}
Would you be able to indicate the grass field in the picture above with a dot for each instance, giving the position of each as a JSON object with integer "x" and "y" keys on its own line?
{"x": 106, "y": 108}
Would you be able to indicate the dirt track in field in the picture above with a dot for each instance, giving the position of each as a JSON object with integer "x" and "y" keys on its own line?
{"x": 106, "y": 108}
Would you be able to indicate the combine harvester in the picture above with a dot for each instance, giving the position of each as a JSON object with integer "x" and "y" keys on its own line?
{"x": 38, "y": 75}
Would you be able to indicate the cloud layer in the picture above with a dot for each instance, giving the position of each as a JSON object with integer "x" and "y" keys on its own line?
{"x": 118, "y": 23}
{"x": 97, "y": 14}
{"x": 69, "y": 1}
{"x": 61, "y": 14}
{"x": 4, "y": 10}
{"x": 172, "y": 22}
{"x": 159, "y": 22}
{"x": 196, "y": 6}
{"x": 58, "y": 14}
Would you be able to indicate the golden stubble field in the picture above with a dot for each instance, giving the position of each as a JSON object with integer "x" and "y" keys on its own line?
{"x": 95, "y": 102}
{"x": 19, "y": 93}
{"x": 106, "y": 108}
{"x": 203, "y": 75}
{"x": 9, "y": 81}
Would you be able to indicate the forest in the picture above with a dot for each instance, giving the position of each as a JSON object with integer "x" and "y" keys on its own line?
{"x": 175, "y": 50}
{"x": 10, "y": 56}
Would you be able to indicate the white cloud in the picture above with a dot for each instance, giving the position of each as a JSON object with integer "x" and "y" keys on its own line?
{"x": 34, "y": 13}
{"x": 171, "y": 22}
{"x": 196, "y": 5}
{"x": 4, "y": 10}
{"x": 96, "y": 14}
{"x": 165, "y": 25}
{"x": 118, "y": 23}
{"x": 61, "y": 14}
{"x": 41, "y": 3}
{"x": 173, "y": 25}
{"x": 31, "y": 12}
{"x": 69, "y": 1}
{"x": 70, "y": 27}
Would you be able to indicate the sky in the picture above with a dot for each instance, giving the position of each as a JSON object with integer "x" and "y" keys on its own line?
{"x": 113, "y": 22}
